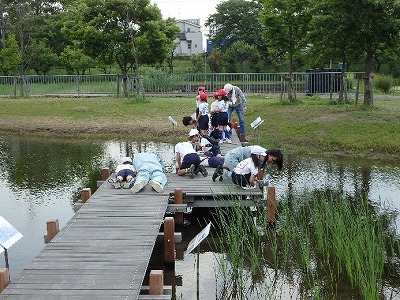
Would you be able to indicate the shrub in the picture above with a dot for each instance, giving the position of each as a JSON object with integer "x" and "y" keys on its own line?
{"x": 383, "y": 83}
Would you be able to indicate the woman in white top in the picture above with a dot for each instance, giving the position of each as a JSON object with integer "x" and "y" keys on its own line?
{"x": 245, "y": 173}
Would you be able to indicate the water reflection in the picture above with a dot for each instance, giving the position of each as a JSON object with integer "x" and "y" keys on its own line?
{"x": 40, "y": 178}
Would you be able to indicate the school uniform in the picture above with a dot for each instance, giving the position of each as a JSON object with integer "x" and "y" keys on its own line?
{"x": 243, "y": 171}
{"x": 214, "y": 113}
{"x": 188, "y": 155}
{"x": 203, "y": 120}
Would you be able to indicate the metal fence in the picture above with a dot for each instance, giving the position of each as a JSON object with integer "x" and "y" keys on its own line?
{"x": 308, "y": 83}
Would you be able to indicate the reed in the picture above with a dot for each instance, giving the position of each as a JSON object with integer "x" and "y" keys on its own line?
{"x": 324, "y": 244}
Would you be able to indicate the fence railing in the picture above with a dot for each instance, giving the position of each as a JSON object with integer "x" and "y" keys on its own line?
{"x": 308, "y": 83}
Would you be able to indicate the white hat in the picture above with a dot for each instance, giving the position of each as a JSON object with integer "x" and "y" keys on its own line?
{"x": 228, "y": 87}
{"x": 126, "y": 159}
{"x": 258, "y": 150}
{"x": 193, "y": 132}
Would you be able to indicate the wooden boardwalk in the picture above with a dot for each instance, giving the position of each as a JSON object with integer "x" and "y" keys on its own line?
{"x": 104, "y": 250}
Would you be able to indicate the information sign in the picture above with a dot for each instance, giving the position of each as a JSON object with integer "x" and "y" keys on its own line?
{"x": 198, "y": 239}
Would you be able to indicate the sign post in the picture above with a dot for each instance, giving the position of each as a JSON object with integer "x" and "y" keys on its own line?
{"x": 8, "y": 237}
{"x": 174, "y": 123}
{"x": 195, "y": 242}
{"x": 255, "y": 125}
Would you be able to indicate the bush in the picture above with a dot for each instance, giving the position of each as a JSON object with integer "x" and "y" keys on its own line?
{"x": 383, "y": 83}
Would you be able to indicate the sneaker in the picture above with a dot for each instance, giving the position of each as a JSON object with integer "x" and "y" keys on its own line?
{"x": 218, "y": 172}
{"x": 203, "y": 171}
{"x": 125, "y": 185}
{"x": 156, "y": 186}
{"x": 117, "y": 185}
{"x": 192, "y": 170}
{"x": 249, "y": 187}
{"x": 228, "y": 141}
{"x": 138, "y": 186}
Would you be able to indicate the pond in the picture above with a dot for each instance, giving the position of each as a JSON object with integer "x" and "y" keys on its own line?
{"x": 40, "y": 178}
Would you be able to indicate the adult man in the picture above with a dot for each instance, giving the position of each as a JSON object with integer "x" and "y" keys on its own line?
{"x": 237, "y": 103}
{"x": 150, "y": 170}
{"x": 187, "y": 159}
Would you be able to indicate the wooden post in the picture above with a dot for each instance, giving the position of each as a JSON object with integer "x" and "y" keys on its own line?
{"x": 85, "y": 194}
{"x": 169, "y": 240}
{"x": 271, "y": 204}
{"x": 156, "y": 282}
{"x": 4, "y": 278}
{"x": 178, "y": 199}
{"x": 260, "y": 175}
{"x": 105, "y": 173}
{"x": 53, "y": 228}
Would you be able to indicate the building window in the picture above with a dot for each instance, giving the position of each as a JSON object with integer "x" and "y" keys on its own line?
{"x": 187, "y": 29}
{"x": 189, "y": 45}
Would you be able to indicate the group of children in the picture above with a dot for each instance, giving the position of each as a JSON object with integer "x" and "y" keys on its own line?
{"x": 240, "y": 166}
{"x": 218, "y": 112}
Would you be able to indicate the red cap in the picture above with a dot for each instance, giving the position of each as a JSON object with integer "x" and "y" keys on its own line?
{"x": 231, "y": 124}
{"x": 222, "y": 92}
{"x": 215, "y": 94}
{"x": 203, "y": 96}
{"x": 201, "y": 88}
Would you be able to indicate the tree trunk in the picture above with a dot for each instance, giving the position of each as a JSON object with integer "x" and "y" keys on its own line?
{"x": 368, "y": 93}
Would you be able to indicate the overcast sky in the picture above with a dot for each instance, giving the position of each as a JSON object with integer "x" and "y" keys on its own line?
{"x": 188, "y": 9}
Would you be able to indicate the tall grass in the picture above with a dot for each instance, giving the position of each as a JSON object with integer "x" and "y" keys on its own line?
{"x": 326, "y": 246}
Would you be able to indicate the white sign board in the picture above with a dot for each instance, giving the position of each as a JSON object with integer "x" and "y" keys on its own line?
{"x": 197, "y": 239}
{"x": 8, "y": 234}
{"x": 172, "y": 120}
{"x": 257, "y": 122}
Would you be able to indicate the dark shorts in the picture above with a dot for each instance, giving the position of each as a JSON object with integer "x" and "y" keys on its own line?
{"x": 214, "y": 119}
{"x": 124, "y": 173}
{"x": 203, "y": 123}
{"x": 241, "y": 180}
{"x": 223, "y": 119}
{"x": 190, "y": 159}
{"x": 214, "y": 162}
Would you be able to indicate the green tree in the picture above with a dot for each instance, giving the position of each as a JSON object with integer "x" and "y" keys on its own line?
{"x": 41, "y": 58}
{"x": 75, "y": 61}
{"x": 197, "y": 63}
{"x": 121, "y": 31}
{"x": 240, "y": 52}
{"x": 359, "y": 29}
{"x": 215, "y": 61}
{"x": 236, "y": 20}
{"x": 10, "y": 56}
{"x": 286, "y": 23}
{"x": 30, "y": 21}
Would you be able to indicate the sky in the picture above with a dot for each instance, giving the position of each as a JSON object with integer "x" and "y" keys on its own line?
{"x": 188, "y": 9}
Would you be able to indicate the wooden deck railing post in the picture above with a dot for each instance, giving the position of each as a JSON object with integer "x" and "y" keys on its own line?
{"x": 85, "y": 194}
{"x": 260, "y": 175}
{"x": 53, "y": 227}
{"x": 271, "y": 218}
{"x": 156, "y": 282}
{"x": 169, "y": 240}
{"x": 105, "y": 173}
{"x": 4, "y": 278}
{"x": 178, "y": 199}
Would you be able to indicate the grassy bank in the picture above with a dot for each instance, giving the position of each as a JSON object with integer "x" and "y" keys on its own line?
{"x": 311, "y": 126}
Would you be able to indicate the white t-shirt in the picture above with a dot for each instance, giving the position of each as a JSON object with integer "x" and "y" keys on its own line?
{"x": 198, "y": 101}
{"x": 214, "y": 106}
{"x": 245, "y": 167}
{"x": 223, "y": 106}
{"x": 184, "y": 148}
{"x": 203, "y": 108}
{"x": 124, "y": 167}
{"x": 205, "y": 144}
